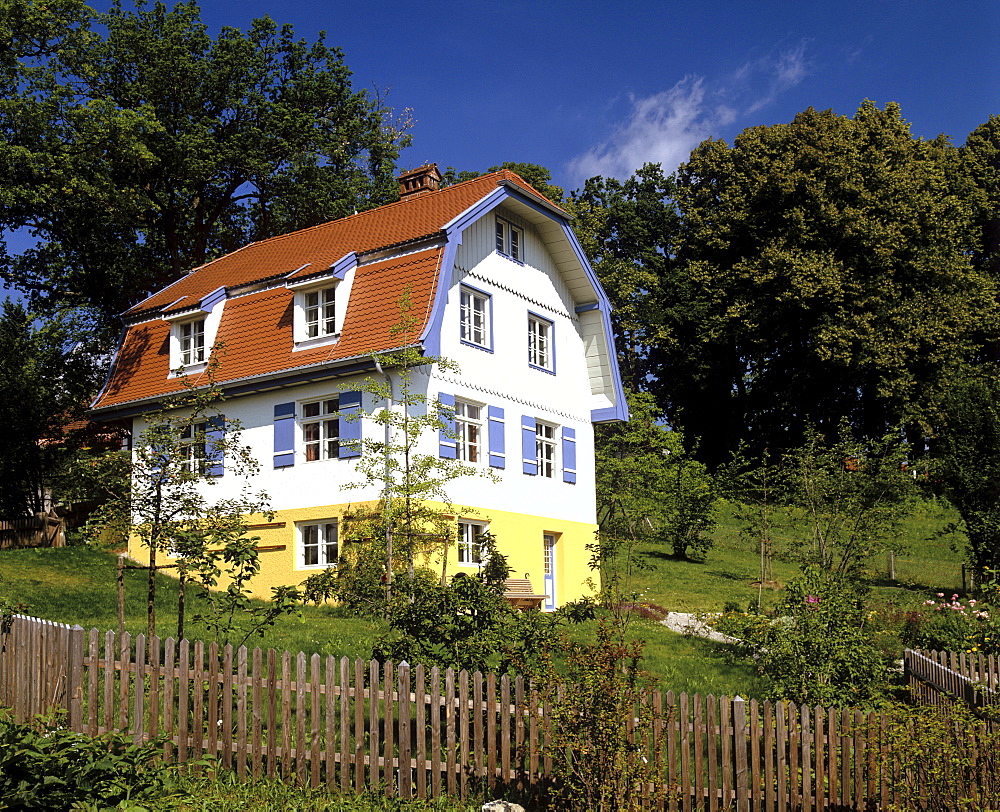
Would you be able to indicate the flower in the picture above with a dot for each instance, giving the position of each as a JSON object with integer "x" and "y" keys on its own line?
{"x": 812, "y": 598}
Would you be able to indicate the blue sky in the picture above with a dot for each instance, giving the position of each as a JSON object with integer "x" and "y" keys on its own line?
{"x": 596, "y": 87}
{"x": 600, "y": 87}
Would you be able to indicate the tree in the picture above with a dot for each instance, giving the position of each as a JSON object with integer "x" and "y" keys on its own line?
{"x": 968, "y": 464}
{"x": 649, "y": 487}
{"x": 45, "y": 379}
{"x": 177, "y": 457}
{"x": 135, "y": 146}
{"x": 828, "y": 273}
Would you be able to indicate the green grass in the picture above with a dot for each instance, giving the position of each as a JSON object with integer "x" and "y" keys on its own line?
{"x": 77, "y": 585}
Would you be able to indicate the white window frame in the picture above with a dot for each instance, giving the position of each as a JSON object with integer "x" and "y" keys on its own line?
{"x": 469, "y": 430}
{"x": 314, "y": 537}
{"x": 475, "y": 304}
{"x": 509, "y": 240}
{"x": 546, "y": 449}
{"x": 191, "y": 342}
{"x": 541, "y": 343}
{"x": 319, "y": 312}
{"x": 193, "y": 453}
{"x": 470, "y": 549}
{"x": 320, "y": 430}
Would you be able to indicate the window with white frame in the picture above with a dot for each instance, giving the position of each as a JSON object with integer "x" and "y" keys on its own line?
{"x": 509, "y": 239}
{"x": 470, "y": 542}
{"x": 540, "y": 343}
{"x": 319, "y": 312}
{"x": 318, "y": 542}
{"x": 192, "y": 448}
{"x": 545, "y": 448}
{"x": 191, "y": 338}
{"x": 474, "y": 317}
{"x": 469, "y": 431}
{"x": 321, "y": 429}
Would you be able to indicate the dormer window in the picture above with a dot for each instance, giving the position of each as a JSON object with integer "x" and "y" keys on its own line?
{"x": 320, "y": 311}
{"x": 192, "y": 342}
{"x": 509, "y": 239}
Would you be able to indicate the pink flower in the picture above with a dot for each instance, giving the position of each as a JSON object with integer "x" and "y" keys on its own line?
{"x": 940, "y": 594}
{"x": 812, "y": 599}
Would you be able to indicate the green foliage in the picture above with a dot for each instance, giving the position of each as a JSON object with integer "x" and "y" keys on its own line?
{"x": 942, "y": 758}
{"x": 968, "y": 464}
{"x": 136, "y": 146}
{"x": 596, "y": 719}
{"x": 848, "y": 495}
{"x": 956, "y": 624}
{"x": 818, "y": 647}
{"x": 828, "y": 273}
{"x": 45, "y": 766}
{"x": 649, "y": 487}
{"x": 9, "y": 608}
{"x": 46, "y": 381}
{"x": 166, "y": 508}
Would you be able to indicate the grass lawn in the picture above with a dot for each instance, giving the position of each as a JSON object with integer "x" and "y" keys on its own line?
{"x": 77, "y": 585}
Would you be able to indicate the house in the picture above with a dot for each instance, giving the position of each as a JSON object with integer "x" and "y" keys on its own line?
{"x": 498, "y": 284}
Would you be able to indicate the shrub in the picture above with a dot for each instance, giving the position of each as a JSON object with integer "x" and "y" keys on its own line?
{"x": 45, "y": 766}
{"x": 953, "y": 624}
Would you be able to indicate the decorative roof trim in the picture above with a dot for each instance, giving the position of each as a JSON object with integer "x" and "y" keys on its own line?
{"x": 337, "y": 271}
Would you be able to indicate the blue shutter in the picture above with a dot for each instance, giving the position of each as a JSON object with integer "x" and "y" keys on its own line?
{"x": 284, "y": 435}
{"x": 215, "y": 430}
{"x": 496, "y": 434}
{"x": 569, "y": 454}
{"x": 447, "y": 444}
{"x": 529, "y": 455}
{"x": 350, "y": 430}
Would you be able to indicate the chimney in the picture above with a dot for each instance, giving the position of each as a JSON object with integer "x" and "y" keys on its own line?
{"x": 418, "y": 181}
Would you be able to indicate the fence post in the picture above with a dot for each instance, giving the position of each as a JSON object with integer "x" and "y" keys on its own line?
{"x": 740, "y": 748}
{"x": 74, "y": 688}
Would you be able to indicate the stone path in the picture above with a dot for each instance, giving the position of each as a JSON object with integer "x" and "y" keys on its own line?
{"x": 688, "y": 623}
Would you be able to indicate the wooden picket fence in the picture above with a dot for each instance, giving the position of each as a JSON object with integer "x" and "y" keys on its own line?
{"x": 937, "y": 677}
{"x": 40, "y": 530}
{"x": 421, "y": 731}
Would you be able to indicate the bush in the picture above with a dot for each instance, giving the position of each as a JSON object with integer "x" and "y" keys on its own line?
{"x": 953, "y": 624}
{"x": 819, "y": 647}
{"x": 45, "y": 766}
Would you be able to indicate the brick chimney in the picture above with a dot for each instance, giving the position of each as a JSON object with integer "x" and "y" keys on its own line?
{"x": 415, "y": 182}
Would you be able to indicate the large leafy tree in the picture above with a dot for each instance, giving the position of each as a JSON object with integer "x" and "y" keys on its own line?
{"x": 135, "y": 146}
{"x": 829, "y": 274}
{"x": 45, "y": 378}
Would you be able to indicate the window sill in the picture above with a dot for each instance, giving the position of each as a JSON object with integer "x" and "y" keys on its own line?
{"x": 542, "y": 369}
{"x": 182, "y": 370}
{"x": 318, "y": 341}
{"x": 508, "y": 256}
{"x": 476, "y": 346}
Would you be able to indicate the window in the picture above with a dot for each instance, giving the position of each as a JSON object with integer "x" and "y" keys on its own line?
{"x": 508, "y": 239}
{"x": 469, "y": 431}
{"x": 545, "y": 449}
{"x": 474, "y": 318}
{"x": 319, "y": 543}
{"x": 192, "y": 448}
{"x": 192, "y": 342}
{"x": 470, "y": 547}
{"x": 320, "y": 312}
{"x": 540, "y": 343}
{"x": 321, "y": 429}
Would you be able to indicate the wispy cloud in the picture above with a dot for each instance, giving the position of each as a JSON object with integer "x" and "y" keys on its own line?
{"x": 664, "y": 127}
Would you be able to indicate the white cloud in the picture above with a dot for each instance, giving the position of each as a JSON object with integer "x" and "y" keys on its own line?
{"x": 664, "y": 127}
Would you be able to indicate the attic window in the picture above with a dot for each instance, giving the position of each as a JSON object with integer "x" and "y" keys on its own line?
{"x": 320, "y": 313}
{"x": 509, "y": 239}
{"x": 192, "y": 342}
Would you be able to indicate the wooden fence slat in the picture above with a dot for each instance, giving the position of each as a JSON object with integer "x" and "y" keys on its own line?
{"x": 805, "y": 725}
{"x": 226, "y": 697}
{"x": 198, "y": 704}
{"x": 301, "y": 768}
{"x": 93, "y": 680}
{"x": 726, "y": 763}
{"x": 155, "y": 671}
{"x": 477, "y": 724}
{"x": 673, "y": 725}
{"x": 389, "y": 746}
{"x": 781, "y": 738}
{"x": 124, "y": 671}
{"x": 286, "y": 715}
{"x": 331, "y": 736}
{"x": 257, "y": 713}
{"x": 243, "y": 684}
{"x": 819, "y": 754}
{"x": 505, "y": 730}
{"x": 374, "y": 719}
{"x": 740, "y": 753}
{"x": 699, "y": 753}
{"x": 713, "y": 754}
{"x": 184, "y": 698}
{"x": 684, "y": 719}
{"x": 756, "y": 735}
{"x": 420, "y": 728}
{"x": 436, "y": 710}
{"x": 405, "y": 732}
{"x": 845, "y": 758}
{"x": 214, "y": 715}
{"x": 315, "y": 720}
{"x": 344, "y": 717}
{"x": 463, "y": 733}
{"x": 491, "y": 730}
{"x": 358, "y": 697}
{"x": 770, "y": 753}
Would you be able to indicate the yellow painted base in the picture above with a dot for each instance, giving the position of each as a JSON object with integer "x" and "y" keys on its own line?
{"x": 519, "y": 537}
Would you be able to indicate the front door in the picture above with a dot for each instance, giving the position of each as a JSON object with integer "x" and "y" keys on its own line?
{"x": 549, "y": 542}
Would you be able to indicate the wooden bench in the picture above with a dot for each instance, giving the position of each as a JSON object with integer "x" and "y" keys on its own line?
{"x": 520, "y": 595}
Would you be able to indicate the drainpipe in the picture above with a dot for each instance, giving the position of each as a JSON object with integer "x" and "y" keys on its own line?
{"x": 386, "y": 500}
